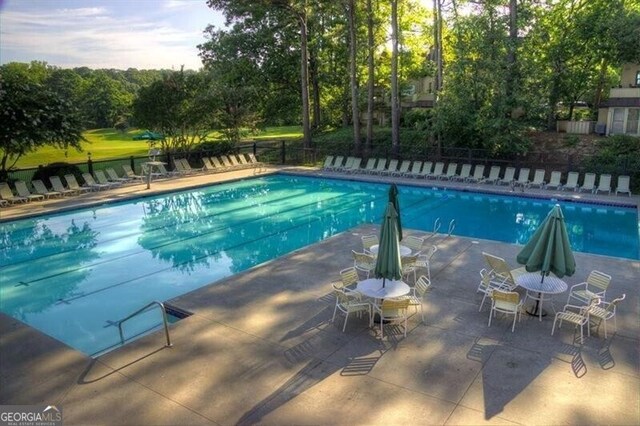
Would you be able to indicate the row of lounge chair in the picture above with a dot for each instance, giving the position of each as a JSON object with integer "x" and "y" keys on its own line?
{"x": 108, "y": 178}
{"x": 429, "y": 170}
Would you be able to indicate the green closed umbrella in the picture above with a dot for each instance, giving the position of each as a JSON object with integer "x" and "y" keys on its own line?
{"x": 388, "y": 263}
{"x": 393, "y": 199}
{"x": 549, "y": 249}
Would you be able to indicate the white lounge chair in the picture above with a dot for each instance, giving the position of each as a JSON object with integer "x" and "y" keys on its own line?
{"x": 538, "y": 179}
{"x": 7, "y": 195}
{"x": 328, "y": 162}
{"x": 113, "y": 176}
{"x": 41, "y": 189}
{"x": 23, "y": 191}
{"x": 102, "y": 179}
{"x": 128, "y": 171}
{"x": 371, "y": 164}
{"x": 438, "y": 171}
{"x": 589, "y": 183}
{"x": 404, "y": 168}
{"x": 623, "y": 185}
{"x": 554, "y": 180}
{"x": 72, "y": 183}
{"x": 416, "y": 167}
{"x": 494, "y": 175}
{"x": 426, "y": 170}
{"x": 391, "y": 168}
{"x": 478, "y": 174}
{"x": 89, "y": 182}
{"x": 337, "y": 163}
{"x": 523, "y": 177}
{"x": 452, "y": 168}
{"x": 380, "y": 166}
{"x": 465, "y": 172}
{"x": 604, "y": 184}
{"x": 58, "y": 186}
{"x": 509, "y": 173}
{"x": 572, "y": 181}
{"x": 355, "y": 166}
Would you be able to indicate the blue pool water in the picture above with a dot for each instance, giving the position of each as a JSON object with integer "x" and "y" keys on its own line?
{"x": 73, "y": 275}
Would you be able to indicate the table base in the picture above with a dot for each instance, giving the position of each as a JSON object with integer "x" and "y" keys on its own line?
{"x": 535, "y": 312}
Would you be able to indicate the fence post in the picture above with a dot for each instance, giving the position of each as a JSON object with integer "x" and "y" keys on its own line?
{"x": 132, "y": 163}
{"x": 89, "y": 163}
{"x": 282, "y": 153}
{"x": 255, "y": 148}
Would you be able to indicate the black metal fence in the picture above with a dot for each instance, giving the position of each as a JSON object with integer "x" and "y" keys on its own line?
{"x": 293, "y": 153}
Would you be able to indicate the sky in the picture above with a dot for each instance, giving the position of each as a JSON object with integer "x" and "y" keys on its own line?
{"x": 121, "y": 34}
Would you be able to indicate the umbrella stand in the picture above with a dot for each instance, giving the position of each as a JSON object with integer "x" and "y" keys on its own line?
{"x": 535, "y": 312}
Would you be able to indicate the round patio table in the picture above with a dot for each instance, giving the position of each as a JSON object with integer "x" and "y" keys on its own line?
{"x": 372, "y": 287}
{"x": 404, "y": 250}
{"x": 531, "y": 282}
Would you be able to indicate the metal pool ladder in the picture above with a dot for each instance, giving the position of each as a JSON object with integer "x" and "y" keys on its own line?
{"x": 141, "y": 310}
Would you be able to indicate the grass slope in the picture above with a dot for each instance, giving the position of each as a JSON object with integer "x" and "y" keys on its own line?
{"x": 104, "y": 144}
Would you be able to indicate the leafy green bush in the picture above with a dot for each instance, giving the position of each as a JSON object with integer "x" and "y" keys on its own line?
{"x": 418, "y": 119}
{"x": 57, "y": 169}
{"x": 617, "y": 155}
{"x": 214, "y": 148}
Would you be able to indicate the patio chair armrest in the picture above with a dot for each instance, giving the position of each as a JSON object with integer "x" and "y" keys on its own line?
{"x": 583, "y": 284}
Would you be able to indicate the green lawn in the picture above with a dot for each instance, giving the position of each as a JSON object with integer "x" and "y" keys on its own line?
{"x": 104, "y": 144}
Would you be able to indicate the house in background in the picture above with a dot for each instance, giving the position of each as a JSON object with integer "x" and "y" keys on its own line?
{"x": 620, "y": 114}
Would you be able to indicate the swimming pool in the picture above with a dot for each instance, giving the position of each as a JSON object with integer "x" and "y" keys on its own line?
{"x": 73, "y": 275}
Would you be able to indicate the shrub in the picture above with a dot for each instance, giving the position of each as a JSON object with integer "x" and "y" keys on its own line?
{"x": 214, "y": 148}
{"x": 57, "y": 169}
{"x": 617, "y": 155}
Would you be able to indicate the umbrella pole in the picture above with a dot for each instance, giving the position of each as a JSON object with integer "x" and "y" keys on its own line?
{"x": 383, "y": 280}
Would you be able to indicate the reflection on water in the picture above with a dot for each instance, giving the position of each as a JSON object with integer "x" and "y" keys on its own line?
{"x": 20, "y": 294}
{"x": 75, "y": 274}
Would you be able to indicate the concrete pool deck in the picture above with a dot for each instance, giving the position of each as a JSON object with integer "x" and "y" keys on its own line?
{"x": 260, "y": 348}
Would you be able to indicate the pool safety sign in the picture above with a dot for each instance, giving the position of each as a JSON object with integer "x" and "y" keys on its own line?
{"x": 30, "y": 415}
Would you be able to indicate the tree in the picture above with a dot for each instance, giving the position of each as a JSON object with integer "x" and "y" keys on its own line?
{"x": 351, "y": 13}
{"x": 34, "y": 115}
{"x": 180, "y": 107}
{"x": 395, "y": 102}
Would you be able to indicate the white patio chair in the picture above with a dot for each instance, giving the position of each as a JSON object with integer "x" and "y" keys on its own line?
{"x": 363, "y": 262}
{"x": 502, "y": 271}
{"x": 506, "y": 302}
{"x": 328, "y": 162}
{"x": 349, "y": 302}
{"x": 403, "y": 170}
{"x": 7, "y": 195}
{"x": 488, "y": 283}
{"x": 391, "y": 310}
{"x": 409, "y": 266}
{"x": 391, "y": 168}
{"x": 58, "y": 186}
{"x": 427, "y": 167}
{"x": 413, "y": 242}
{"x": 349, "y": 278}
{"x": 594, "y": 287}
{"x": 604, "y": 312}
{"x": 418, "y": 293}
{"x": 72, "y": 183}
{"x": 380, "y": 166}
{"x": 623, "y": 185}
{"x": 577, "y": 315}
{"x": 424, "y": 260}
{"x": 368, "y": 241}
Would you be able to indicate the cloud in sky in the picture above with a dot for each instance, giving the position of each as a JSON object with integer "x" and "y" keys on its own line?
{"x": 105, "y": 33}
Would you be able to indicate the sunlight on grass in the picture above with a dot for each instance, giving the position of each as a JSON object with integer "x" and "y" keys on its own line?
{"x": 105, "y": 144}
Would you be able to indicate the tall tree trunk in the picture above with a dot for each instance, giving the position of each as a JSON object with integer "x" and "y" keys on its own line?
{"x": 355, "y": 110}
{"x": 437, "y": 36}
{"x": 304, "y": 77}
{"x": 315, "y": 86}
{"x": 511, "y": 83}
{"x": 597, "y": 99}
{"x": 395, "y": 107}
{"x": 370, "y": 78}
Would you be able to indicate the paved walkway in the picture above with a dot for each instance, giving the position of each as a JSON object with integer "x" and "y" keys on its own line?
{"x": 260, "y": 348}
